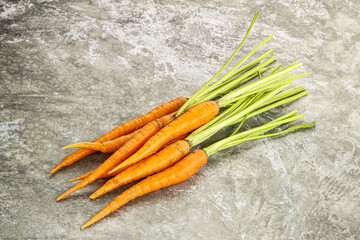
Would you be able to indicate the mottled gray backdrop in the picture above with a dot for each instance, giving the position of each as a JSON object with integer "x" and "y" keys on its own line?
{"x": 71, "y": 71}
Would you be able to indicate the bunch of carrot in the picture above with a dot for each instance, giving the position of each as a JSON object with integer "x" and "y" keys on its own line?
{"x": 157, "y": 145}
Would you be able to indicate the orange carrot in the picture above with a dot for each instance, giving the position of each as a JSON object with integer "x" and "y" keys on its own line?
{"x": 190, "y": 120}
{"x": 177, "y": 173}
{"x": 106, "y": 147}
{"x": 124, "y": 129}
{"x": 190, "y": 164}
{"x": 107, "y": 175}
{"x": 146, "y": 167}
{"x": 81, "y": 177}
{"x": 124, "y": 152}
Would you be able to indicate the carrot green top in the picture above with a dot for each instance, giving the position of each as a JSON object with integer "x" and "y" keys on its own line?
{"x": 230, "y": 79}
{"x": 255, "y": 133}
{"x": 252, "y": 99}
{"x": 225, "y": 87}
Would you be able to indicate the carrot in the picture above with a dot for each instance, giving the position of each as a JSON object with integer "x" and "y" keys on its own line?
{"x": 107, "y": 175}
{"x": 124, "y": 129}
{"x": 146, "y": 167}
{"x": 124, "y": 152}
{"x": 106, "y": 147}
{"x": 175, "y": 174}
{"x": 190, "y": 120}
{"x": 229, "y": 117}
{"x": 189, "y": 165}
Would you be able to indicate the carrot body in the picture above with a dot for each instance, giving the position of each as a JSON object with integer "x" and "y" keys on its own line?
{"x": 146, "y": 167}
{"x": 124, "y": 152}
{"x": 106, "y": 147}
{"x": 177, "y": 173}
{"x": 107, "y": 175}
{"x": 190, "y": 120}
{"x": 123, "y": 129}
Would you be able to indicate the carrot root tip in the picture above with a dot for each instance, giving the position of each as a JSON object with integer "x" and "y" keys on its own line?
{"x": 61, "y": 197}
{"x": 55, "y": 169}
{"x": 86, "y": 225}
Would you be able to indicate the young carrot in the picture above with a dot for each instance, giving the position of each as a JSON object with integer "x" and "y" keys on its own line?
{"x": 124, "y": 129}
{"x": 124, "y": 152}
{"x": 146, "y": 167}
{"x": 191, "y": 164}
{"x": 107, "y": 175}
{"x": 177, "y": 173}
{"x": 169, "y": 156}
{"x": 105, "y": 147}
{"x": 187, "y": 122}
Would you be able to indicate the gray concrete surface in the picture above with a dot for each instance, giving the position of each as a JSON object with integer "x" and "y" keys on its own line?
{"x": 70, "y": 71}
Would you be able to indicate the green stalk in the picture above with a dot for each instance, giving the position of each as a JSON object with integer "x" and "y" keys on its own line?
{"x": 256, "y": 89}
{"x": 219, "y": 92}
{"x": 254, "y": 133}
{"x": 253, "y": 63}
{"x": 292, "y": 64}
{"x": 230, "y": 97}
{"x": 246, "y": 67}
{"x": 193, "y": 97}
{"x": 231, "y": 73}
{"x": 280, "y": 81}
{"x": 289, "y": 94}
{"x": 280, "y": 99}
{"x": 240, "y": 125}
{"x": 235, "y": 118}
{"x": 266, "y": 127}
{"x": 245, "y": 76}
{"x": 275, "y": 69}
{"x": 291, "y": 129}
{"x": 242, "y": 69}
{"x": 274, "y": 102}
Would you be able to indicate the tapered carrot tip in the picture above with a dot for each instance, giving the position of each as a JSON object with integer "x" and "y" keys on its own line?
{"x": 60, "y": 197}
{"x": 103, "y": 213}
{"x": 87, "y": 224}
{"x": 75, "y": 145}
{"x": 75, "y": 179}
{"x": 65, "y": 194}
{"x": 94, "y": 196}
{"x": 55, "y": 169}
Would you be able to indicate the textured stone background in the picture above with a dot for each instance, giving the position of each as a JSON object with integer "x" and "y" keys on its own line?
{"x": 70, "y": 71}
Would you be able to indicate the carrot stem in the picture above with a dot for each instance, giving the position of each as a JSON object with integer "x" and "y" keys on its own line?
{"x": 231, "y": 73}
{"x": 241, "y": 123}
{"x": 255, "y": 133}
{"x": 233, "y": 96}
{"x": 231, "y": 84}
{"x": 192, "y": 99}
{"x": 275, "y": 69}
{"x": 198, "y": 137}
